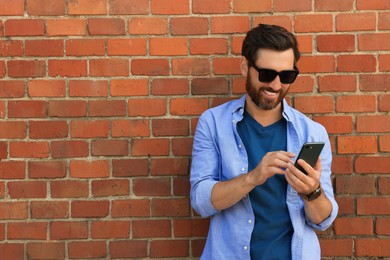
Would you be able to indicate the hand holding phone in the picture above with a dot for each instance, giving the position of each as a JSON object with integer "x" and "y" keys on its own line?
{"x": 309, "y": 153}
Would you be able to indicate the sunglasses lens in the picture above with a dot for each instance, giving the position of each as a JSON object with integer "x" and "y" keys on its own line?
{"x": 267, "y": 75}
{"x": 288, "y": 77}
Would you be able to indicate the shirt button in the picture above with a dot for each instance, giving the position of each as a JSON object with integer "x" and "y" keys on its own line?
{"x": 243, "y": 169}
{"x": 234, "y": 121}
{"x": 250, "y": 221}
{"x": 239, "y": 146}
{"x": 245, "y": 248}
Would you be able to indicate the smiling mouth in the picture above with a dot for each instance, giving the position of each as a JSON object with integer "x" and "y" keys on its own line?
{"x": 270, "y": 92}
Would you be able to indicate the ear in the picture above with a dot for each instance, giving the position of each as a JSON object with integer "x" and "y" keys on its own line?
{"x": 244, "y": 67}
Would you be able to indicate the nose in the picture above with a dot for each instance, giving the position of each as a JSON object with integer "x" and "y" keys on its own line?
{"x": 275, "y": 84}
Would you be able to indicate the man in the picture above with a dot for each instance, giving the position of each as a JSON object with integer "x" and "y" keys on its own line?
{"x": 243, "y": 173}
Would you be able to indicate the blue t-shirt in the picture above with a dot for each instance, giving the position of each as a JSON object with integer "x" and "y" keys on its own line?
{"x": 272, "y": 233}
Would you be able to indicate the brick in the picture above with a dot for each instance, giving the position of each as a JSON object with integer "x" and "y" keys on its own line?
{"x": 129, "y": 7}
{"x": 109, "y": 148}
{"x": 189, "y": 26}
{"x": 151, "y": 25}
{"x": 336, "y": 43}
{"x": 46, "y": 250}
{"x": 26, "y": 109}
{"x": 89, "y": 169}
{"x": 337, "y": 83}
{"x": 11, "y": 88}
{"x": 372, "y": 247}
{"x": 236, "y": 44}
{"x": 129, "y": 249}
{"x": 15, "y": 7}
{"x": 314, "y": 105}
{"x": 130, "y": 128}
{"x": 384, "y": 62}
{"x": 356, "y": 63}
{"x": 90, "y": 209}
{"x": 197, "y": 246}
{"x": 46, "y": 88}
{"x": 384, "y": 103}
{"x": 374, "y": 82}
{"x": 170, "y": 127}
{"x": 48, "y": 129}
{"x": 28, "y": 149}
{"x": 336, "y": 124}
{"x": 106, "y": 188}
{"x": 384, "y": 143}
{"x": 191, "y": 66}
{"x": 47, "y": 169}
{"x": 377, "y": 164}
{"x": 382, "y": 226}
{"x": 188, "y": 106}
{"x": 346, "y": 205}
{"x": 11, "y": 250}
{"x": 207, "y": 46}
{"x": 69, "y": 189}
{"x": 30, "y": 189}
{"x": 65, "y": 27}
{"x": 130, "y": 167}
{"x": 357, "y": 144}
{"x": 169, "y": 248}
{"x": 152, "y": 186}
{"x": 355, "y": 185}
{"x": 168, "y": 46}
{"x": 182, "y": 146}
{"x": 97, "y": 7}
{"x": 87, "y": 249}
{"x": 67, "y": 108}
{"x": 373, "y": 205}
{"x": 130, "y": 208}
{"x": 147, "y": 107}
{"x": 150, "y": 67}
{"x": 317, "y": 64}
{"x": 373, "y": 124}
{"x": 109, "y": 67}
{"x": 69, "y": 149}
{"x": 11, "y": 48}
{"x": 356, "y": 103}
{"x": 46, "y": 7}
{"x": 49, "y": 209}
{"x": 110, "y": 229}
{"x": 288, "y": 6}
{"x": 89, "y": 128}
{"x": 12, "y": 169}
{"x": 129, "y": 87}
{"x": 151, "y": 146}
{"x": 181, "y": 186}
{"x": 13, "y": 130}
{"x": 226, "y": 66}
{"x": 329, "y": 6}
{"x": 27, "y": 230}
{"x": 67, "y": 68}
{"x": 170, "y": 207}
{"x": 170, "y": 7}
{"x": 313, "y": 23}
{"x": 151, "y": 228}
{"x": 209, "y": 86}
{"x": 107, "y": 108}
{"x": 170, "y": 87}
{"x": 342, "y": 165}
{"x": 24, "y": 27}
{"x": 355, "y": 22}
{"x": 13, "y": 210}
{"x": 26, "y": 68}
{"x": 305, "y": 43}
{"x": 206, "y": 7}
{"x": 374, "y": 42}
{"x": 229, "y": 24}
{"x": 88, "y": 88}
{"x": 281, "y": 20}
{"x": 190, "y": 227}
{"x": 106, "y": 26}
{"x": 64, "y": 230}
{"x": 126, "y": 47}
{"x": 372, "y": 5}
{"x": 384, "y": 21}
{"x": 252, "y": 6}
{"x": 169, "y": 166}
{"x": 85, "y": 47}
{"x": 336, "y": 247}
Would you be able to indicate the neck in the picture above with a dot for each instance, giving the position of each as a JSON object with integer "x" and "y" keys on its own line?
{"x": 263, "y": 117}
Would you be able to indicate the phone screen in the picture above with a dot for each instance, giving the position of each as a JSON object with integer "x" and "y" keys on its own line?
{"x": 309, "y": 153}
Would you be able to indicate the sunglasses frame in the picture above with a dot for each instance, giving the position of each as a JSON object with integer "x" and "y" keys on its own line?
{"x": 276, "y": 73}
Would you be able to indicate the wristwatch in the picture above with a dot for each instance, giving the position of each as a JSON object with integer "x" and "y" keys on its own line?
{"x": 312, "y": 196}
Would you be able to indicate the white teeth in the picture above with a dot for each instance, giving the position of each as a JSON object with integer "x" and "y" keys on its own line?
{"x": 270, "y": 93}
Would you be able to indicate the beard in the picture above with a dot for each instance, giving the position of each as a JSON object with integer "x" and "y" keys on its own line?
{"x": 260, "y": 99}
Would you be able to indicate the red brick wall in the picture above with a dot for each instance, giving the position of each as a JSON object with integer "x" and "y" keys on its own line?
{"x": 100, "y": 99}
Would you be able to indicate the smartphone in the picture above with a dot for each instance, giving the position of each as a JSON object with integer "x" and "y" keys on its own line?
{"x": 309, "y": 153}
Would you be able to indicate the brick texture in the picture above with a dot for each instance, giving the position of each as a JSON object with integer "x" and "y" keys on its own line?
{"x": 99, "y": 101}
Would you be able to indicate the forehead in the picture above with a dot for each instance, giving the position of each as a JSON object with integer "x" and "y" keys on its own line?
{"x": 272, "y": 59}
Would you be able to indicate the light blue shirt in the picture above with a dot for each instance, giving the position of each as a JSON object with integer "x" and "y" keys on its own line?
{"x": 219, "y": 155}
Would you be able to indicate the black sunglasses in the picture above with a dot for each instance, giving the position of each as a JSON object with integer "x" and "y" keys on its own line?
{"x": 268, "y": 75}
